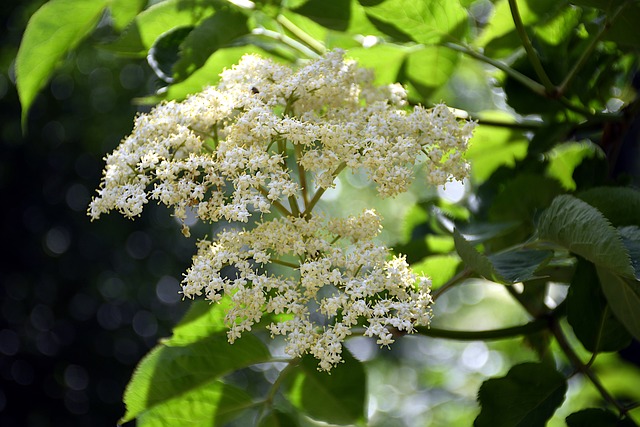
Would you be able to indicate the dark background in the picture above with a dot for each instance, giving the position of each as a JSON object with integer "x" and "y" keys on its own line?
{"x": 80, "y": 302}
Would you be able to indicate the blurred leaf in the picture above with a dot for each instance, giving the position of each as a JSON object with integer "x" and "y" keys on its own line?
{"x": 385, "y": 59}
{"x": 479, "y": 232}
{"x": 440, "y": 268}
{"x": 211, "y": 404}
{"x": 564, "y": 158}
{"x": 507, "y": 267}
{"x": 522, "y": 196}
{"x": 499, "y": 37}
{"x": 124, "y": 11}
{"x": 559, "y": 27}
{"x": 165, "y": 52}
{"x": 148, "y": 25}
{"x": 527, "y": 396}
{"x": 583, "y": 230}
{"x": 429, "y": 68}
{"x": 620, "y": 205}
{"x": 425, "y": 22}
{"x": 623, "y": 295}
{"x": 167, "y": 374}
{"x": 277, "y": 418}
{"x": 491, "y": 147}
{"x": 624, "y": 30}
{"x": 589, "y": 315}
{"x": 53, "y": 30}
{"x": 337, "y": 397}
{"x": 213, "y": 33}
{"x": 415, "y": 216}
{"x": 597, "y": 417}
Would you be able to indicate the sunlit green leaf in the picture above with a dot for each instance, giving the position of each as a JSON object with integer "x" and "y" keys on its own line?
{"x": 589, "y": 315}
{"x": 623, "y": 295}
{"x": 202, "y": 320}
{"x": 492, "y": 147}
{"x": 440, "y": 268}
{"x": 429, "y": 68}
{"x": 425, "y": 22}
{"x": 167, "y": 374}
{"x": 583, "y": 230}
{"x": 55, "y": 29}
{"x": 210, "y": 35}
{"x": 338, "y": 397}
{"x": 527, "y": 396}
{"x": 385, "y": 59}
{"x": 124, "y": 11}
{"x": 564, "y": 158}
{"x": 211, "y": 404}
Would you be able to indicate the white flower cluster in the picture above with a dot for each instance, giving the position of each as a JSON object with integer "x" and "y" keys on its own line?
{"x": 269, "y": 139}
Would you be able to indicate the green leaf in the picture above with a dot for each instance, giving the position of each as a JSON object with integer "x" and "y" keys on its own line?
{"x": 564, "y": 158}
{"x": 518, "y": 266}
{"x": 212, "y": 404}
{"x": 597, "y": 417}
{"x": 479, "y": 232}
{"x": 169, "y": 374}
{"x": 492, "y": 147}
{"x": 337, "y": 397}
{"x": 55, "y": 29}
{"x": 589, "y": 314}
{"x": 429, "y": 68}
{"x": 623, "y": 295}
{"x": 440, "y": 268}
{"x": 213, "y": 33}
{"x": 151, "y": 23}
{"x": 507, "y": 267}
{"x": 427, "y": 22}
{"x": 624, "y": 30}
{"x": 165, "y": 52}
{"x": 124, "y": 11}
{"x": 527, "y": 396}
{"x": 620, "y": 205}
{"x": 385, "y": 59}
{"x": 202, "y": 320}
{"x": 583, "y": 230}
{"x": 517, "y": 202}
{"x": 277, "y": 418}
{"x": 333, "y": 14}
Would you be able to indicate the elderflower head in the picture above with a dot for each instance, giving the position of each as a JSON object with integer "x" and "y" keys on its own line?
{"x": 272, "y": 140}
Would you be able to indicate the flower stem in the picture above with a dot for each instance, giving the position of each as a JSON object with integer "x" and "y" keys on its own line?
{"x": 279, "y": 206}
{"x": 299, "y": 33}
{"x": 285, "y": 263}
{"x": 492, "y": 334}
{"x": 286, "y": 40}
{"x": 320, "y": 192}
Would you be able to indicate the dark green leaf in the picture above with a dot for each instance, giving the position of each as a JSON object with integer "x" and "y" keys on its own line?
{"x": 165, "y": 52}
{"x": 168, "y": 374}
{"x": 565, "y": 158}
{"x": 597, "y": 417}
{"x": 526, "y": 397}
{"x": 482, "y": 231}
{"x": 620, "y": 205}
{"x": 623, "y": 295}
{"x": 590, "y": 316}
{"x": 210, "y": 35}
{"x": 518, "y": 266}
{"x": 333, "y": 14}
{"x": 474, "y": 259}
{"x": 337, "y": 397}
{"x": 631, "y": 240}
{"x": 277, "y": 418}
{"x": 124, "y": 11}
{"x": 212, "y": 404}
{"x": 148, "y": 25}
{"x": 522, "y": 196}
{"x": 583, "y": 230}
{"x": 506, "y": 267}
{"x": 55, "y": 29}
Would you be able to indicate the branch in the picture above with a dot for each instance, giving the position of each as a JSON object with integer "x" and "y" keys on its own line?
{"x": 492, "y": 334}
